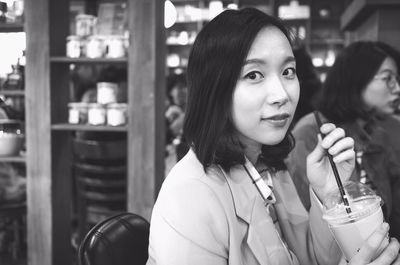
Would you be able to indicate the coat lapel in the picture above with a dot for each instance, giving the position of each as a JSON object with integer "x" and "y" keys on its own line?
{"x": 262, "y": 237}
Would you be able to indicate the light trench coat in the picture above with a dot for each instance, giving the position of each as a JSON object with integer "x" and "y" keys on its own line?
{"x": 219, "y": 218}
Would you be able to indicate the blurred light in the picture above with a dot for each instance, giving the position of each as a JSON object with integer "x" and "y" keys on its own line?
{"x": 330, "y": 58}
{"x": 233, "y": 6}
{"x": 317, "y": 62}
{"x": 170, "y": 14}
{"x": 294, "y": 10}
{"x": 214, "y": 8}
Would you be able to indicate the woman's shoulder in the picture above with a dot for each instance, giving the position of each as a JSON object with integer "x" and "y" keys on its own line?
{"x": 188, "y": 184}
{"x": 192, "y": 200}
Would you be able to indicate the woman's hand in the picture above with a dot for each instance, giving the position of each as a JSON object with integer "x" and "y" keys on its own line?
{"x": 319, "y": 170}
{"x": 376, "y": 243}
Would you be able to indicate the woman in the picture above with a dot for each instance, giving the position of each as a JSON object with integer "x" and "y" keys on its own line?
{"x": 243, "y": 92}
{"x": 360, "y": 93}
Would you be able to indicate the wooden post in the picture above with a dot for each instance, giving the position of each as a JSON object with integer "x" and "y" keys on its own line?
{"x": 146, "y": 82}
{"x": 48, "y": 190}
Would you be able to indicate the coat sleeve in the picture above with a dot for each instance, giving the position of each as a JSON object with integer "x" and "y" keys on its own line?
{"x": 306, "y": 233}
{"x": 306, "y": 138}
{"x": 188, "y": 226}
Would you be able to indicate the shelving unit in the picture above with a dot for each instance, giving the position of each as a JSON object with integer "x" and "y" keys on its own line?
{"x": 12, "y": 93}
{"x": 13, "y": 159}
{"x": 67, "y": 60}
{"x": 49, "y": 140}
{"x": 8, "y": 27}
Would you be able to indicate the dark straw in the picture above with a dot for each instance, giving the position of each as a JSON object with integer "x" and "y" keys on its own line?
{"x": 334, "y": 168}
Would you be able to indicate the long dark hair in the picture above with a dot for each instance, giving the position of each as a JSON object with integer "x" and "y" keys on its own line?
{"x": 215, "y": 63}
{"x": 340, "y": 100}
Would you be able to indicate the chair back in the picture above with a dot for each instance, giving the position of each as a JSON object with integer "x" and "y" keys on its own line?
{"x": 119, "y": 240}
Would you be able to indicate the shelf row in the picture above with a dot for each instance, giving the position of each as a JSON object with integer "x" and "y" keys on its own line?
{"x": 68, "y": 127}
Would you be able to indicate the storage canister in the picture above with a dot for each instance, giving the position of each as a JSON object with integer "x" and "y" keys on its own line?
{"x": 94, "y": 47}
{"x": 77, "y": 112}
{"x": 107, "y": 92}
{"x": 115, "y": 47}
{"x": 73, "y": 47}
{"x": 117, "y": 114}
{"x": 85, "y": 24}
{"x": 96, "y": 114}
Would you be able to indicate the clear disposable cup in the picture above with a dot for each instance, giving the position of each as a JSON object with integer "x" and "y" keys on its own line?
{"x": 351, "y": 230}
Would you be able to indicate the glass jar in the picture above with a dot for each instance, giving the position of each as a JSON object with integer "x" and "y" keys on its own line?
{"x": 94, "y": 47}
{"x": 73, "y": 46}
{"x": 11, "y": 137}
{"x": 96, "y": 114}
{"x": 107, "y": 92}
{"x": 115, "y": 47}
{"x": 85, "y": 25}
{"x": 117, "y": 114}
{"x": 77, "y": 112}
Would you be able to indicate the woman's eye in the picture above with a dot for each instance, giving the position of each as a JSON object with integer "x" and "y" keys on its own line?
{"x": 290, "y": 72}
{"x": 255, "y": 75}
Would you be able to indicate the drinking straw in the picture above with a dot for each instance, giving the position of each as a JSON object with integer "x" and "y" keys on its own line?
{"x": 335, "y": 171}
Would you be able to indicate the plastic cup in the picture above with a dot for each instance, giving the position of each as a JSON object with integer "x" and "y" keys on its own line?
{"x": 351, "y": 230}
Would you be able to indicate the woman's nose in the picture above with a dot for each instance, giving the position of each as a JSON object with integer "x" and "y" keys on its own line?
{"x": 277, "y": 93}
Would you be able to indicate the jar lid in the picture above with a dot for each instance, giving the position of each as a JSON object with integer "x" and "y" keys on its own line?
{"x": 73, "y": 37}
{"x": 107, "y": 85}
{"x": 84, "y": 16}
{"x": 77, "y": 104}
{"x": 96, "y": 105}
{"x": 117, "y": 105}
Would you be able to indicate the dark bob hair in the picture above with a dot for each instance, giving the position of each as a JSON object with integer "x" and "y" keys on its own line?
{"x": 215, "y": 63}
{"x": 341, "y": 97}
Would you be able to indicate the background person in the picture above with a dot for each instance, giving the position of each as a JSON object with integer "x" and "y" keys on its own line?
{"x": 359, "y": 94}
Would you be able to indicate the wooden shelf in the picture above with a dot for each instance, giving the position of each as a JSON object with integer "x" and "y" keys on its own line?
{"x": 11, "y": 27}
{"x": 180, "y": 45}
{"x": 68, "y": 60}
{"x": 12, "y": 92}
{"x": 85, "y": 127}
{"x": 16, "y": 159}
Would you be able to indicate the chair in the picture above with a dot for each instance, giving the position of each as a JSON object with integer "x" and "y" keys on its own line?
{"x": 16, "y": 214}
{"x": 118, "y": 240}
{"x": 99, "y": 171}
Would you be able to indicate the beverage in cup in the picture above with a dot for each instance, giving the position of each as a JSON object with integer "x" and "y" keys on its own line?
{"x": 351, "y": 230}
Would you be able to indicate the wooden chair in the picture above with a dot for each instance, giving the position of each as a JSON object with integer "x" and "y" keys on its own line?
{"x": 119, "y": 240}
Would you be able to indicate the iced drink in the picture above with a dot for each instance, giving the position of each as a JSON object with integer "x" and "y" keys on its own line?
{"x": 352, "y": 229}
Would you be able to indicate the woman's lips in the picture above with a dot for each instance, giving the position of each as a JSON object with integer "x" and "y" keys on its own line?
{"x": 277, "y": 120}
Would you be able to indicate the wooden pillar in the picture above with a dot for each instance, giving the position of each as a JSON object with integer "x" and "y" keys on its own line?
{"x": 146, "y": 81}
{"x": 376, "y": 20}
{"x": 48, "y": 189}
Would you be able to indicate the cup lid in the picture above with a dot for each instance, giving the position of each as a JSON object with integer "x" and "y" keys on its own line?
{"x": 362, "y": 199}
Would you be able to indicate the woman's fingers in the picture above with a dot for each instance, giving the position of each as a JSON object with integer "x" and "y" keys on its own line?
{"x": 332, "y": 136}
{"x": 370, "y": 247}
{"x": 390, "y": 254}
{"x": 341, "y": 145}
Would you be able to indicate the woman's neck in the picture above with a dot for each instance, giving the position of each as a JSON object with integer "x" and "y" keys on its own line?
{"x": 252, "y": 152}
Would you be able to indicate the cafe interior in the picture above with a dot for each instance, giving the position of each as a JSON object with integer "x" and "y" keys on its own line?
{"x": 85, "y": 88}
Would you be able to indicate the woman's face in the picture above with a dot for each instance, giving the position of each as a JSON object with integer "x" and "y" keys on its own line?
{"x": 267, "y": 91}
{"x": 379, "y": 94}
